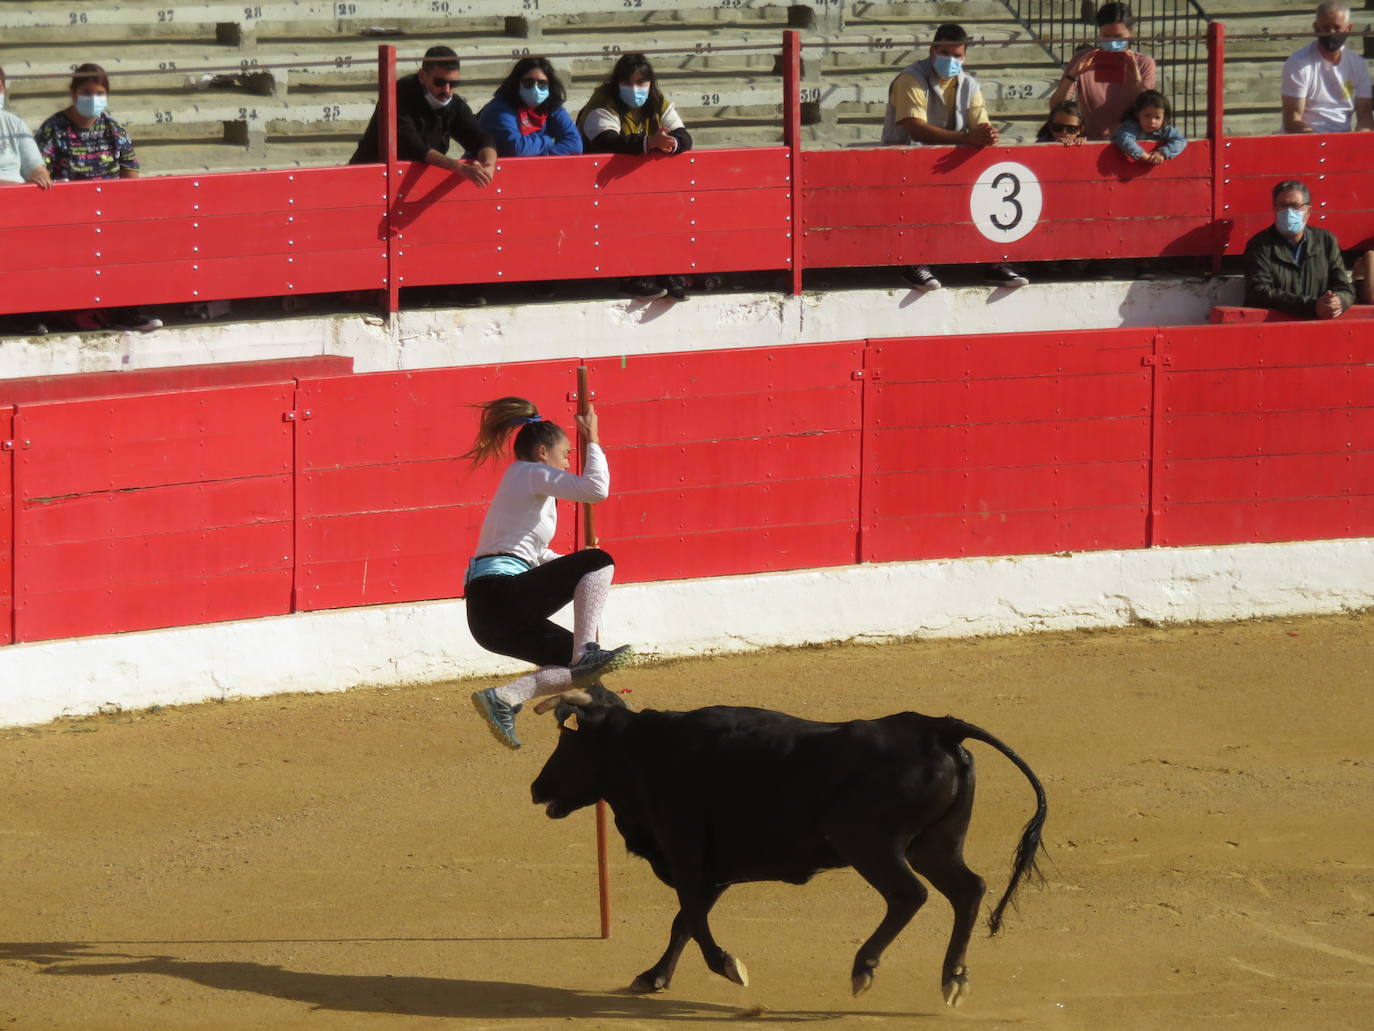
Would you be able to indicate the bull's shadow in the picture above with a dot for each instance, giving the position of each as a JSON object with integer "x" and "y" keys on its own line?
{"x": 412, "y": 996}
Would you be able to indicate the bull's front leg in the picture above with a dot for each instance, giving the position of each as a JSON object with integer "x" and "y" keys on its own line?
{"x": 659, "y": 976}
{"x": 696, "y": 900}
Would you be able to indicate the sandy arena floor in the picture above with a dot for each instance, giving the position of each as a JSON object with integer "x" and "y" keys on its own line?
{"x": 372, "y": 860}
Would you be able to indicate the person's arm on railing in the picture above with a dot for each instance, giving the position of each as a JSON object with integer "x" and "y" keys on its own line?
{"x": 464, "y": 128}
{"x": 503, "y": 126}
{"x": 1127, "y": 137}
{"x": 1364, "y": 114}
{"x": 32, "y": 168}
{"x": 1262, "y": 283}
{"x": 1292, "y": 115}
{"x": 1173, "y": 143}
{"x": 565, "y": 138}
{"x": 1338, "y": 282}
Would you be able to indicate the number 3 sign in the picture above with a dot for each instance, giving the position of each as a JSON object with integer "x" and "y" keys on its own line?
{"x": 1005, "y": 202}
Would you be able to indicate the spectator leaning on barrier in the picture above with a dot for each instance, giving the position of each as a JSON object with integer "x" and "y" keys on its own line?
{"x": 526, "y": 117}
{"x": 82, "y": 142}
{"x": 934, "y": 101}
{"x": 1324, "y": 83}
{"x": 628, "y": 114}
{"x": 1151, "y": 118}
{"x": 429, "y": 114}
{"x": 1294, "y": 267}
{"x": 1064, "y": 125}
{"x": 1106, "y": 78}
{"x": 20, "y": 161}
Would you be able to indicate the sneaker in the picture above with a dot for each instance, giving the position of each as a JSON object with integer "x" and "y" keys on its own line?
{"x": 1004, "y": 275}
{"x": 677, "y": 287}
{"x": 135, "y": 319}
{"x": 921, "y": 277}
{"x": 642, "y": 288}
{"x": 499, "y": 715}
{"x": 597, "y": 660}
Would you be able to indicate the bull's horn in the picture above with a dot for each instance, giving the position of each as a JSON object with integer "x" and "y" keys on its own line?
{"x": 574, "y": 697}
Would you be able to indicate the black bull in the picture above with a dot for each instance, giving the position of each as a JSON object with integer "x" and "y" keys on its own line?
{"x": 724, "y": 795}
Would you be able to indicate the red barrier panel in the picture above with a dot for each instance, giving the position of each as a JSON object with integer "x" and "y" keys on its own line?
{"x": 731, "y": 461}
{"x": 153, "y": 510}
{"x": 1267, "y": 434}
{"x": 962, "y": 205}
{"x": 1004, "y": 445}
{"x": 1227, "y": 315}
{"x": 175, "y": 377}
{"x": 192, "y": 238}
{"x": 1335, "y": 167}
{"x": 386, "y": 510}
{"x": 596, "y": 215}
{"x": 6, "y": 524}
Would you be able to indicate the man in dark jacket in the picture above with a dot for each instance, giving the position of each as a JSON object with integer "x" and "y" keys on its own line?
{"x": 1294, "y": 267}
{"x": 429, "y": 114}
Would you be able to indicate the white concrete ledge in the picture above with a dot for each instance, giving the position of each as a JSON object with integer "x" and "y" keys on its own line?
{"x": 391, "y": 645}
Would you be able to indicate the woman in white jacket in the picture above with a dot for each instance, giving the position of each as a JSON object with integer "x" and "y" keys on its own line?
{"x": 515, "y": 583}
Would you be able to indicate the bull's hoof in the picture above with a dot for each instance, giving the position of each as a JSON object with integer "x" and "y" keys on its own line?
{"x": 862, "y": 980}
{"x": 733, "y": 969}
{"x": 956, "y": 988}
{"x": 648, "y": 982}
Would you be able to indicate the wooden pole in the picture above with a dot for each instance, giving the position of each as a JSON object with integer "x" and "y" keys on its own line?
{"x": 603, "y": 869}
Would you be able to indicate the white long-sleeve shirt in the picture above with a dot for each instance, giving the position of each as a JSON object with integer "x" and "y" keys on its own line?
{"x": 18, "y": 152}
{"x": 523, "y": 516}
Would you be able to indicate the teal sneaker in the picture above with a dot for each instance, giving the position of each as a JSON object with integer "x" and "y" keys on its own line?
{"x": 499, "y": 716}
{"x": 597, "y": 660}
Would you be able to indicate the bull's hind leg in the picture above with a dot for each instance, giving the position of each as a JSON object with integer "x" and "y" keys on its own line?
{"x": 886, "y": 869}
{"x": 938, "y": 856}
{"x": 659, "y": 976}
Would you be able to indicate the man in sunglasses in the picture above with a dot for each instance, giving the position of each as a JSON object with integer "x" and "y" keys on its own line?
{"x": 429, "y": 113}
{"x": 1293, "y": 267}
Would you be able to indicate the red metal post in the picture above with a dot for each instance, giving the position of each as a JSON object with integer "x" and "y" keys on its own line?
{"x": 603, "y": 867}
{"x": 386, "y": 127}
{"x": 1216, "y": 116}
{"x": 791, "y": 135}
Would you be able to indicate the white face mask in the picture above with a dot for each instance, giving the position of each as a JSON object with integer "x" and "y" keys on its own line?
{"x": 436, "y": 103}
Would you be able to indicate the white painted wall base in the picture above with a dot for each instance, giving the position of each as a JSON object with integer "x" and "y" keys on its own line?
{"x": 390, "y": 645}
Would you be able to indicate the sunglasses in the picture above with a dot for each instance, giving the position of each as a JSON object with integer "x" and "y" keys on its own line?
{"x": 1064, "y": 127}
{"x": 529, "y": 82}
{"x": 450, "y": 83}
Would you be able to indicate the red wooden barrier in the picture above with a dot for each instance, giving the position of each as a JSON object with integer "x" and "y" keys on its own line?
{"x": 731, "y": 461}
{"x": 961, "y": 205}
{"x": 177, "y": 377}
{"x": 192, "y": 238}
{"x": 1227, "y": 315}
{"x": 1003, "y": 445}
{"x": 1333, "y": 165}
{"x": 6, "y": 524}
{"x": 1267, "y": 433}
{"x": 152, "y": 510}
{"x": 386, "y": 510}
{"x": 599, "y": 216}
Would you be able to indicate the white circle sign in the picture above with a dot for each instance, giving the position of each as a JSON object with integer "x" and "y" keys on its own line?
{"x": 1005, "y": 202}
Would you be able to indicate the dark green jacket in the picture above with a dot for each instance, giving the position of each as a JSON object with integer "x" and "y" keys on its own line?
{"x": 1275, "y": 279}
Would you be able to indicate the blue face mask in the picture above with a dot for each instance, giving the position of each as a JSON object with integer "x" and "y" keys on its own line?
{"x": 535, "y": 95}
{"x": 88, "y": 106}
{"x": 633, "y": 96}
{"x": 947, "y": 67}
{"x": 1289, "y": 221}
{"x": 1113, "y": 46}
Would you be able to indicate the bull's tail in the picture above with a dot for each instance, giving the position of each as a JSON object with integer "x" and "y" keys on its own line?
{"x": 1026, "y": 864}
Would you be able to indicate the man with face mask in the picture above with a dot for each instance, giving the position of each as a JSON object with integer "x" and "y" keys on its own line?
{"x": 934, "y": 101}
{"x": 1293, "y": 267}
{"x": 1326, "y": 83}
{"x": 429, "y": 113}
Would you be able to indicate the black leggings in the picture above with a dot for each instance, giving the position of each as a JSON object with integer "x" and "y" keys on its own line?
{"x": 509, "y": 615}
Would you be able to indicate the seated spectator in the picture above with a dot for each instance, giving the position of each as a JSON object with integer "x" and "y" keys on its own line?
{"x": 1294, "y": 267}
{"x": 628, "y": 114}
{"x": 82, "y": 142}
{"x": 1325, "y": 84}
{"x": 1065, "y": 125}
{"x": 429, "y": 114}
{"x": 20, "y": 161}
{"x": 1106, "y": 78}
{"x": 1151, "y": 118}
{"x": 526, "y": 117}
{"x": 936, "y": 101}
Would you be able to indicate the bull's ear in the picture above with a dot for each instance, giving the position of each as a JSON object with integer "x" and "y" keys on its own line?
{"x": 571, "y": 722}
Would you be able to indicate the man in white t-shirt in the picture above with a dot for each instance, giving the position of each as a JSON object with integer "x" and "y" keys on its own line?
{"x": 1324, "y": 83}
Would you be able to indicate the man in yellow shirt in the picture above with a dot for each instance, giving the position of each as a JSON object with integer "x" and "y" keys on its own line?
{"x": 934, "y": 101}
